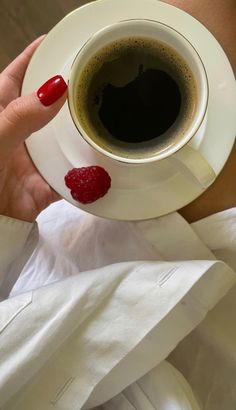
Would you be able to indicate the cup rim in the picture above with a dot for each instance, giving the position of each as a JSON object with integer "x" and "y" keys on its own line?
{"x": 194, "y": 128}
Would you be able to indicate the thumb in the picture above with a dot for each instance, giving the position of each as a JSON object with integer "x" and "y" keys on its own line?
{"x": 29, "y": 113}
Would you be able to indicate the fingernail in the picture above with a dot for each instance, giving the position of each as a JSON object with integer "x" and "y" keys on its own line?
{"x": 52, "y": 90}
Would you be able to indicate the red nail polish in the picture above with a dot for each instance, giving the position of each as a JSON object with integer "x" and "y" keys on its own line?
{"x": 52, "y": 90}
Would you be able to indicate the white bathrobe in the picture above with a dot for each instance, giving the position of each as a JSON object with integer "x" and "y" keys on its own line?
{"x": 90, "y": 306}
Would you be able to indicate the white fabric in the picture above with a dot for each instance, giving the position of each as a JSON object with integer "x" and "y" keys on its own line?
{"x": 15, "y": 235}
{"x": 162, "y": 388}
{"x": 75, "y": 342}
{"x": 207, "y": 357}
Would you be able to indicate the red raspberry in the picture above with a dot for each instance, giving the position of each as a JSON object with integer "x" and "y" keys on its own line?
{"x": 88, "y": 184}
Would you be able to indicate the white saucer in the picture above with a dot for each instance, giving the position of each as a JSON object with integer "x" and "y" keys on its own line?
{"x": 140, "y": 191}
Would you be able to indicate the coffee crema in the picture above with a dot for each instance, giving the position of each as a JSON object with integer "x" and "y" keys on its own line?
{"x": 134, "y": 95}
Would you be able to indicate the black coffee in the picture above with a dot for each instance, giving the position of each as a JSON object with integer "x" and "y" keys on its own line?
{"x": 136, "y": 91}
{"x": 141, "y": 110}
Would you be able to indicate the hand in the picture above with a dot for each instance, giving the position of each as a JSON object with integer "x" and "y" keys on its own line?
{"x": 23, "y": 192}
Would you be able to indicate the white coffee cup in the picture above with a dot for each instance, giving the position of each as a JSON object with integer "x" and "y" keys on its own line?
{"x": 187, "y": 159}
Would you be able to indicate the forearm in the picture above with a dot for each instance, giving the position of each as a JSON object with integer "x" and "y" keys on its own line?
{"x": 219, "y": 16}
{"x": 219, "y": 197}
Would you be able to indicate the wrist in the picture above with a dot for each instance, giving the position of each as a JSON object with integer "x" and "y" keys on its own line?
{"x": 21, "y": 215}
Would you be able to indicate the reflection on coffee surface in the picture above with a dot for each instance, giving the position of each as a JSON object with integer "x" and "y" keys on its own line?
{"x": 138, "y": 92}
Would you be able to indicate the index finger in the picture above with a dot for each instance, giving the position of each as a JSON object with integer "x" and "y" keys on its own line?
{"x": 11, "y": 78}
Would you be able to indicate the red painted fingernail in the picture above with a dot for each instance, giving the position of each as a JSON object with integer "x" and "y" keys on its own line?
{"x": 52, "y": 90}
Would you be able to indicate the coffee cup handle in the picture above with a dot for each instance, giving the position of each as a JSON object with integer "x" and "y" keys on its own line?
{"x": 194, "y": 166}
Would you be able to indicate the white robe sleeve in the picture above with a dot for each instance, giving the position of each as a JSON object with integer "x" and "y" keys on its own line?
{"x": 77, "y": 342}
{"x": 17, "y": 242}
{"x": 206, "y": 356}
